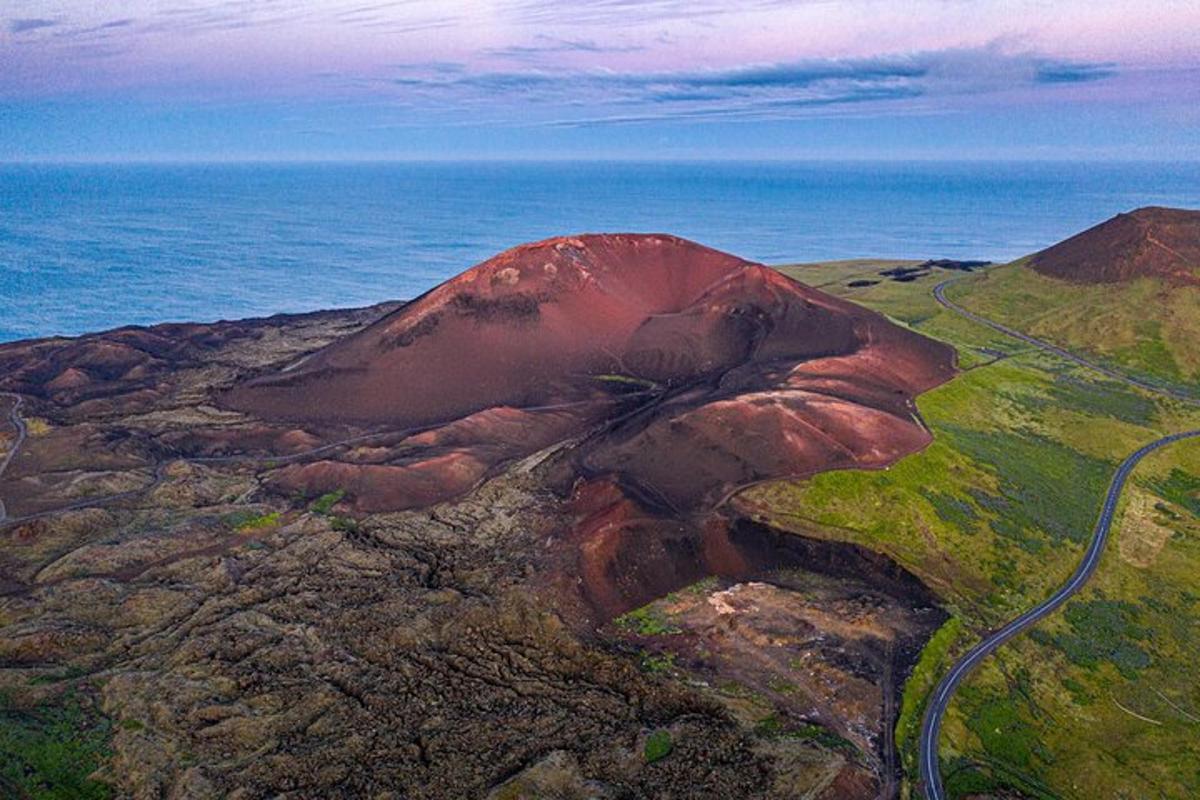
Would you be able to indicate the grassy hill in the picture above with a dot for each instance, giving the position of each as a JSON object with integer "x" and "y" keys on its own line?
{"x": 1147, "y": 326}
{"x": 996, "y": 512}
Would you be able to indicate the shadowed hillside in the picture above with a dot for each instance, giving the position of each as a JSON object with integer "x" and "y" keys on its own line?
{"x": 1150, "y": 242}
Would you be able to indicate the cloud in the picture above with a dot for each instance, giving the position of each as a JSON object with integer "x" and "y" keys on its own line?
{"x": 191, "y": 19}
{"x": 29, "y": 24}
{"x": 804, "y": 73}
{"x": 767, "y": 110}
{"x": 544, "y": 45}
{"x": 535, "y": 74}
{"x": 770, "y": 90}
{"x": 791, "y": 75}
{"x": 628, "y": 12}
{"x": 1064, "y": 72}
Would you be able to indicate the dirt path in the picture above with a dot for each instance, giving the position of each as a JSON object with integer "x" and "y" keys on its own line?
{"x": 22, "y": 432}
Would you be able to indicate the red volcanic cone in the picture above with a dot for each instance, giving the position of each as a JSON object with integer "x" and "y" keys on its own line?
{"x": 742, "y": 374}
{"x": 1150, "y": 242}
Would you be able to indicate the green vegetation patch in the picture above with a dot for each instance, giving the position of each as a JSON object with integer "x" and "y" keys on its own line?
{"x": 703, "y": 586}
{"x": 953, "y": 510}
{"x": 648, "y": 620}
{"x": 658, "y": 746}
{"x": 1043, "y": 484}
{"x": 965, "y": 778}
{"x": 811, "y": 732}
{"x": 1012, "y": 753}
{"x": 69, "y": 674}
{"x": 248, "y": 520}
{"x": 260, "y": 522}
{"x": 1102, "y": 630}
{"x": 325, "y": 503}
{"x": 1181, "y": 488}
{"x": 1098, "y": 398}
{"x": 932, "y": 664}
{"x": 994, "y": 716}
{"x": 344, "y": 524}
{"x": 1150, "y": 352}
{"x": 658, "y": 663}
{"x": 47, "y": 753}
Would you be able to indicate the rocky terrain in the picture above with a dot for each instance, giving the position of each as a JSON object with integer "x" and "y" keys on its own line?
{"x": 1150, "y": 242}
{"x": 408, "y": 551}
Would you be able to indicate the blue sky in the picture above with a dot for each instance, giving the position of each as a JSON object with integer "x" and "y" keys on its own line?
{"x": 366, "y": 79}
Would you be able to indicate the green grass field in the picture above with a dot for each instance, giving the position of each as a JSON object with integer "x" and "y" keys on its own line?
{"x": 993, "y": 515}
{"x": 1144, "y": 327}
{"x": 48, "y": 751}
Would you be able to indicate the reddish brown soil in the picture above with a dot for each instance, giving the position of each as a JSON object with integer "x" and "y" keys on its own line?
{"x": 135, "y": 365}
{"x": 622, "y": 555}
{"x": 1150, "y": 242}
{"x": 688, "y": 372}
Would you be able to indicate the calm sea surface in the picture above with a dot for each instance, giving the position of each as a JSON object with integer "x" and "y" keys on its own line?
{"x": 85, "y": 248}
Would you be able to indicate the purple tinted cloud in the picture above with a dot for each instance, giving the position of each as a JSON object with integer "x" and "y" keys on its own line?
{"x": 780, "y": 90}
{"x": 543, "y": 45}
{"x": 1074, "y": 72}
{"x": 29, "y": 24}
{"x": 555, "y": 64}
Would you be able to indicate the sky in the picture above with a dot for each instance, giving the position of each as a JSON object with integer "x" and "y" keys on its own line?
{"x": 574, "y": 79}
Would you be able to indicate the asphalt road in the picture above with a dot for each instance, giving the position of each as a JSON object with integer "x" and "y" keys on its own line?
{"x": 930, "y": 774}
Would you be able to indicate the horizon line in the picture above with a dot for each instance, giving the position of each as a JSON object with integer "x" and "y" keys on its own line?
{"x": 517, "y": 159}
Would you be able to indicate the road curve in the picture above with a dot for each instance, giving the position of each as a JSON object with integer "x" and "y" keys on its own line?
{"x": 930, "y": 773}
{"x": 932, "y": 726}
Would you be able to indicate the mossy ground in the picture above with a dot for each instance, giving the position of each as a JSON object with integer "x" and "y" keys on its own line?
{"x": 996, "y": 512}
{"x": 1144, "y": 326}
{"x": 49, "y": 751}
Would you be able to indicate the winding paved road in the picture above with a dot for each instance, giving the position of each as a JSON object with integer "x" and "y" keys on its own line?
{"x": 930, "y": 773}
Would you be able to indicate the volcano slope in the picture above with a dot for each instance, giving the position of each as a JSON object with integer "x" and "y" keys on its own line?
{"x": 1126, "y": 291}
{"x": 409, "y": 550}
{"x": 683, "y": 355}
{"x": 1150, "y": 242}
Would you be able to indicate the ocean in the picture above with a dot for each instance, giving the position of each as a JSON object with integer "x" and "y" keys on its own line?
{"x": 90, "y": 247}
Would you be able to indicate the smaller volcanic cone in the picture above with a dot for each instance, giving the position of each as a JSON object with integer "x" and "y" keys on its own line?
{"x": 1151, "y": 242}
